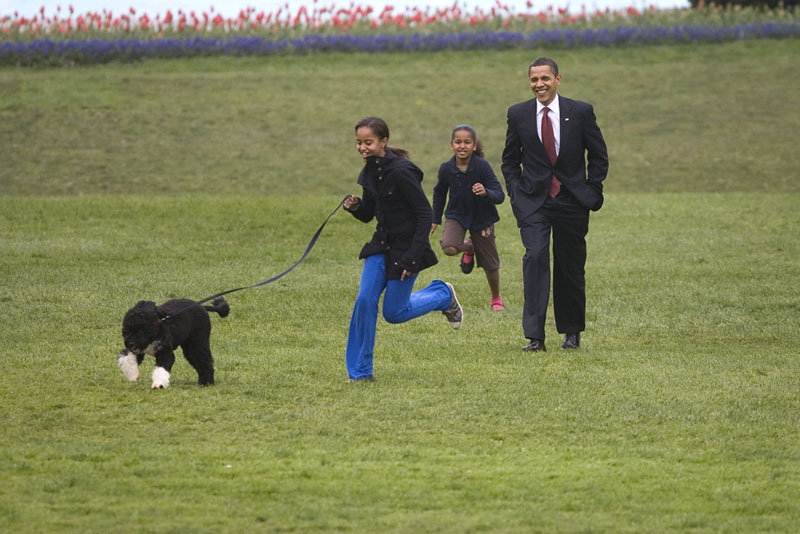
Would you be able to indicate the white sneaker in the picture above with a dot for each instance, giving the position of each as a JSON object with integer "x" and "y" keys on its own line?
{"x": 454, "y": 314}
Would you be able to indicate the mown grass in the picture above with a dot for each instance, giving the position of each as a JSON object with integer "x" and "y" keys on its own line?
{"x": 679, "y": 414}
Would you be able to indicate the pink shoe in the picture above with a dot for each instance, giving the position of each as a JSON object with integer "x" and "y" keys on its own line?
{"x": 497, "y": 304}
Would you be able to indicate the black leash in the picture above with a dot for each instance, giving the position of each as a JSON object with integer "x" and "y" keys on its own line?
{"x": 265, "y": 282}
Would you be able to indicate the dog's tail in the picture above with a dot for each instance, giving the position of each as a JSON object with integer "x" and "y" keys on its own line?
{"x": 219, "y": 305}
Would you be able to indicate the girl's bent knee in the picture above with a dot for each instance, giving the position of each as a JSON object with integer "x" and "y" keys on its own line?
{"x": 394, "y": 316}
{"x": 450, "y": 251}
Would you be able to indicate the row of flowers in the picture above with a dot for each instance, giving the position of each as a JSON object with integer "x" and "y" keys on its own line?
{"x": 358, "y": 19}
{"x": 50, "y": 52}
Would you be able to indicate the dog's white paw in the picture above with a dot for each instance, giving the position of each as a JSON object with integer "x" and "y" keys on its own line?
{"x": 160, "y": 378}
{"x": 129, "y": 365}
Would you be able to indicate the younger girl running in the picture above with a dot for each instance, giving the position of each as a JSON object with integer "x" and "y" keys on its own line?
{"x": 474, "y": 192}
{"x": 392, "y": 194}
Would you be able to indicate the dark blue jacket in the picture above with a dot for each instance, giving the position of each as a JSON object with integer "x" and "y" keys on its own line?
{"x": 393, "y": 195}
{"x": 471, "y": 211}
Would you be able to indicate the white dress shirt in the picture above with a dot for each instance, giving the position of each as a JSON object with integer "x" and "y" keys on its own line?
{"x": 555, "y": 120}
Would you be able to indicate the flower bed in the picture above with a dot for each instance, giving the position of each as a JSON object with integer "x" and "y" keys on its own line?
{"x": 99, "y": 38}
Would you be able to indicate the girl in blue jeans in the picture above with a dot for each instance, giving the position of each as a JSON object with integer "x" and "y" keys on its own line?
{"x": 399, "y": 249}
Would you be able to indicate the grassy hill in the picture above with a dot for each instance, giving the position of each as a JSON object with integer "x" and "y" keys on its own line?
{"x": 675, "y": 118}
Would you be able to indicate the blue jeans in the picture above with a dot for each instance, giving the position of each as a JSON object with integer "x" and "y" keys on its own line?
{"x": 399, "y": 305}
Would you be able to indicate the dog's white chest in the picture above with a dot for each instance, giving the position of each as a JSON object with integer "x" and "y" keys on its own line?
{"x": 153, "y": 347}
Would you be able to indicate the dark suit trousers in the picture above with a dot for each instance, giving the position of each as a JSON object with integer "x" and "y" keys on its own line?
{"x": 568, "y": 221}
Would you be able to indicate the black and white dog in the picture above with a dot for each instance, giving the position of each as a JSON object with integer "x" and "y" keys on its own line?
{"x": 159, "y": 330}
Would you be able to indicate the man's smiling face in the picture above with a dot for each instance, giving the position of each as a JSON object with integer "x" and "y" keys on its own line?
{"x": 544, "y": 84}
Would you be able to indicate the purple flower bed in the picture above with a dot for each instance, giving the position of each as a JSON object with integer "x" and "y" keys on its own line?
{"x": 49, "y": 52}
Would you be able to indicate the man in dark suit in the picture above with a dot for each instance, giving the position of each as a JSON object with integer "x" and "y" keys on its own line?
{"x": 554, "y": 164}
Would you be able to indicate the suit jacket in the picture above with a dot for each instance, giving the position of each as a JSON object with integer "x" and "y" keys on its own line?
{"x": 581, "y": 166}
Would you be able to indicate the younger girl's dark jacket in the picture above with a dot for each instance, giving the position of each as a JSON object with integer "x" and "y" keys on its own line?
{"x": 471, "y": 211}
{"x": 393, "y": 195}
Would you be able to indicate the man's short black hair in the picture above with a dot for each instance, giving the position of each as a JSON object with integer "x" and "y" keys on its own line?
{"x": 545, "y": 61}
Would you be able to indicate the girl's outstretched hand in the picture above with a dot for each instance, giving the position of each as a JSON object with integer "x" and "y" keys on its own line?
{"x": 433, "y": 228}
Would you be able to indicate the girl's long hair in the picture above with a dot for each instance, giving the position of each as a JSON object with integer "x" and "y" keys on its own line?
{"x": 381, "y": 129}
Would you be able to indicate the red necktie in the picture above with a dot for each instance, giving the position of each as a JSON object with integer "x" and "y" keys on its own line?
{"x": 549, "y": 142}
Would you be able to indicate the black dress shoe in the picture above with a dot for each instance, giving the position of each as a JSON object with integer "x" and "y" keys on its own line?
{"x": 534, "y": 346}
{"x": 466, "y": 268}
{"x": 571, "y": 341}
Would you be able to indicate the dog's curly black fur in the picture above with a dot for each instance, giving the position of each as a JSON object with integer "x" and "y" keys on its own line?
{"x": 159, "y": 330}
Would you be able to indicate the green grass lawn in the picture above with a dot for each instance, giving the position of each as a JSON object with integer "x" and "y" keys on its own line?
{"x": 679, "y": 414}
